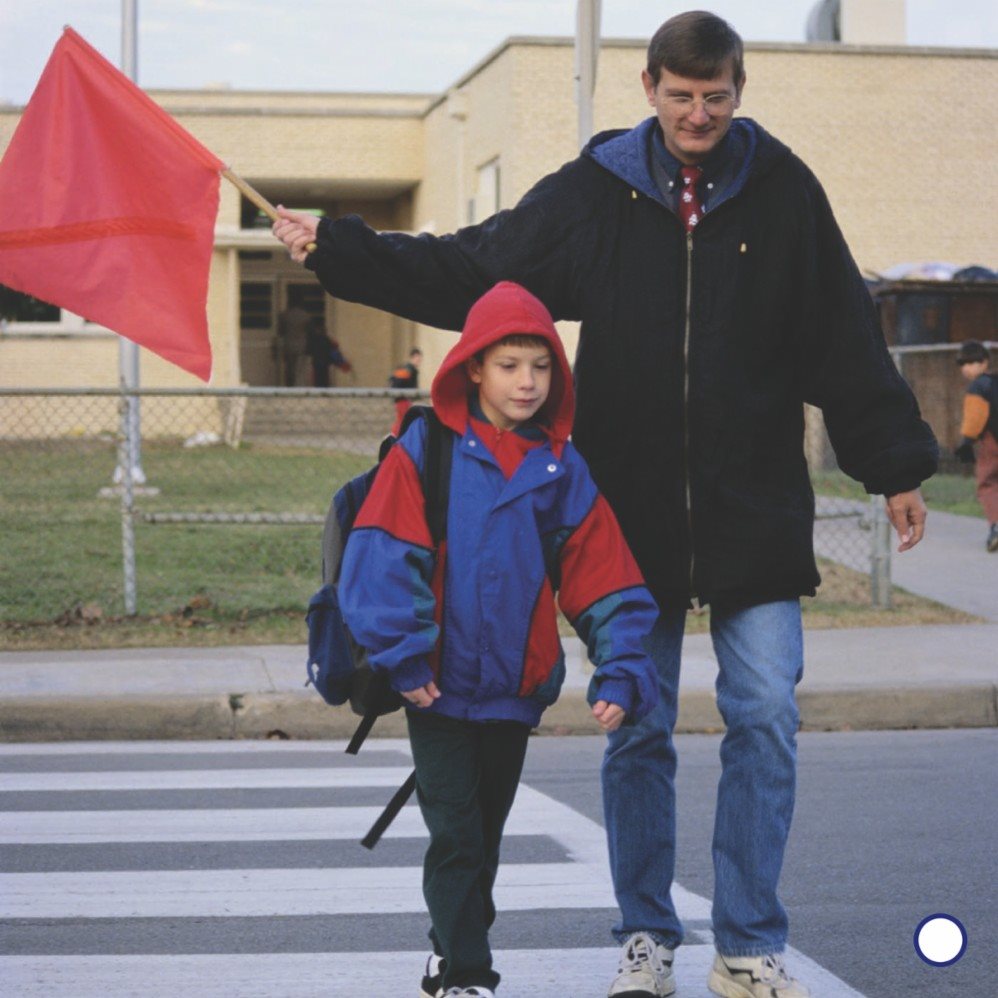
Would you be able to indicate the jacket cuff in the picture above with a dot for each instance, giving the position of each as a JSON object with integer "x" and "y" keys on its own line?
{"x": 618, "y": 691}
{"x": 896, "y": 489}
{"x": 411, "y": 675}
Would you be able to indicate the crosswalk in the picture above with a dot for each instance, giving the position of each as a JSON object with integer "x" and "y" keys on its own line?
{"x": 233, "y": 869}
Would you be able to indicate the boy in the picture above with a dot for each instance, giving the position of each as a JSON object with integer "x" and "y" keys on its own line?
{"x": 469, "y": 632}
{"x": 980, "y": 423}
{"x": 406, "y": 376}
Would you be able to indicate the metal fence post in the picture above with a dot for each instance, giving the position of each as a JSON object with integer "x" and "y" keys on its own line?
{"x": 880, "y": 554}
{"x": 127, "y": 448}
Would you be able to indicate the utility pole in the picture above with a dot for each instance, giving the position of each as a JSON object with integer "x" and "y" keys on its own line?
{"x": 587, "y": 35}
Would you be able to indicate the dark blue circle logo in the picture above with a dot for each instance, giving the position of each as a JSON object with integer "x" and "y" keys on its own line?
{"x": 940, "y": 939}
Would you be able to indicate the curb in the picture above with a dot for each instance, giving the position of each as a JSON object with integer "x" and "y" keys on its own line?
{"x": 305, "y": 716}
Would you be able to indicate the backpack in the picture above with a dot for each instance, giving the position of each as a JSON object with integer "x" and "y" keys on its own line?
{"x": 337, "y": 666}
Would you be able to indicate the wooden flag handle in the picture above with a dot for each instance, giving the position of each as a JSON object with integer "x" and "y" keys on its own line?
{"x": 252, "y": 194}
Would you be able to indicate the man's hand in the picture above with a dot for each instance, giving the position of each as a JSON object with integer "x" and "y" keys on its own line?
{"x": 907, "y": 512}
{"x": 609, "y": 715}
{"x": 423, "y": 696}
{"x": 296, "y": 229}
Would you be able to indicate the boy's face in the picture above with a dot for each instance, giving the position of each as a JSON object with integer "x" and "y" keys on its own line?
{"x": 973, "y": 369}
{"x": 513, "y": 382}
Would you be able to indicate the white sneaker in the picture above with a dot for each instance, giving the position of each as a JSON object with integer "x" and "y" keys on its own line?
{"x": 753, "y": 977}
{"x": 475, "y": 991}
{"x": 645, "y": 969}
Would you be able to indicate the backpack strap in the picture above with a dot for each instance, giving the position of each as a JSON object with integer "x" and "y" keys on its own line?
{"x": 436, "y": 475}
{"x": 389, "y": 814}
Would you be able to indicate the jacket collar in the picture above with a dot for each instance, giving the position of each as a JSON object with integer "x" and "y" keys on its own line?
{"x": 627, "y": 155}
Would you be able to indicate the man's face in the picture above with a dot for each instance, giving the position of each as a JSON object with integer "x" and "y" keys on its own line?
{"x": 513, "y": 383}
{"x": 694, "y": 114}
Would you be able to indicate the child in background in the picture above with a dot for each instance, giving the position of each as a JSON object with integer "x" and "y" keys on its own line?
{"x": 980, "y": 425}
{"x": 469, "y": 632}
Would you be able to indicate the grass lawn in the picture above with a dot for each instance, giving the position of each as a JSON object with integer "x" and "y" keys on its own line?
{"x": 945, "y": 493}
{"x": 61, "y": 579}
{"x": 60, "y": 549}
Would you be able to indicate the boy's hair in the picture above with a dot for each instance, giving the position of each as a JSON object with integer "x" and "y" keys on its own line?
{"x": 415, "y": 352}
{"x": 515, "y": 340}
{"x": 972, "y": 352}
{"x": 698, "y": 45}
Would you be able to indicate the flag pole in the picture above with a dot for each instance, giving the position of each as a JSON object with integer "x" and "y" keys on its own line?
{"x": 130, "y": 469}
{"x": 255, "y": 197}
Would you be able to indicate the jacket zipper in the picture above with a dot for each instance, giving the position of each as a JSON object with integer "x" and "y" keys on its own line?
{"x": 686, "y": 404}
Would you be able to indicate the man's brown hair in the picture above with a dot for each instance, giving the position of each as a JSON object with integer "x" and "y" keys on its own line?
{"x": 698, "y": 45}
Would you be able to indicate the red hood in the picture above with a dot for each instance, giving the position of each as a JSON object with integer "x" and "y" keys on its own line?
{"x": 506, "y": 309}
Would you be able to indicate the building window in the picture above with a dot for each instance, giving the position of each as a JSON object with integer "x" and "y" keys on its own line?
{"x": 18, "y": 307}
{"x": 256, "y": 305}
{"x": 486, "y": 200}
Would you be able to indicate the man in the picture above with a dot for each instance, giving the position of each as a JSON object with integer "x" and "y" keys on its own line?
{"x": 707, "y": 322}
{"x": 290, "y": 341}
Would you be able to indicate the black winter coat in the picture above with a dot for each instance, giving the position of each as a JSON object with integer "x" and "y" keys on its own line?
{"x": 695, "y": 355}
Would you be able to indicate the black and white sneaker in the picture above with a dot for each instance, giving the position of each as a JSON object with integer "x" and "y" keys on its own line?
{"x": 645, "y": 969}
{"x": 753, "y": 977}
{"x": 432, "y": 986}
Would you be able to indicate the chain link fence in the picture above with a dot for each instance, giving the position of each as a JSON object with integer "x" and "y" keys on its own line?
{"x": 222, "y": 500}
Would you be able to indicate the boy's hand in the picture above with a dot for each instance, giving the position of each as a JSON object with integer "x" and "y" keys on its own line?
{"x": 423, "y": 696}
{"x": 609, "y": 715}
{"x": 296, "y": 229}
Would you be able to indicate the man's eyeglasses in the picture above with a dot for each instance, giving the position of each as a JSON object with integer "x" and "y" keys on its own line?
{"x": 714, "y": 105}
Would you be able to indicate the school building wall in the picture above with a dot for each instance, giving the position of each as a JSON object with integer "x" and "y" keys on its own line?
{"x": 903, "y": 139}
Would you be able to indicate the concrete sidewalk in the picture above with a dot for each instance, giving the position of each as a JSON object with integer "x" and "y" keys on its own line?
{"x": 887, "y": 677}
{"x": 890, "y": 677}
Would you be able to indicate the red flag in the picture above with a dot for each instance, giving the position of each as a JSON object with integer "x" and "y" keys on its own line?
{"x": 108, "y": 207}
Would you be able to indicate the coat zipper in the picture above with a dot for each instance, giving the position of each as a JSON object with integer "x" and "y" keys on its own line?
{"x": 686, "y": 403}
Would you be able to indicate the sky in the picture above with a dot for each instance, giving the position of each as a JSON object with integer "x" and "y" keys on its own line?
{"x": 420, "y": 46}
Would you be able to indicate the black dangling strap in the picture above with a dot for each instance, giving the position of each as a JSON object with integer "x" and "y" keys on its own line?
{"x": 390, "y": 812}
{"x": 363, "y": 730}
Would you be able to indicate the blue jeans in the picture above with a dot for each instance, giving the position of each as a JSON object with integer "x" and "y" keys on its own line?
{"x": 760, "y": 654}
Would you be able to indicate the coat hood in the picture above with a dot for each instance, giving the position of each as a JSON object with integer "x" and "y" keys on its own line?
{"x": 505, "y": 310}
{"x": 625, "y": 154}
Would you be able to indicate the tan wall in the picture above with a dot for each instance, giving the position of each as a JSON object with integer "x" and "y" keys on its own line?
{"x": 876, "y": 125}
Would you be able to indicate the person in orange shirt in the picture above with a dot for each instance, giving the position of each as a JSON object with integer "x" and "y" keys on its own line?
{"x": 980, "y": 429}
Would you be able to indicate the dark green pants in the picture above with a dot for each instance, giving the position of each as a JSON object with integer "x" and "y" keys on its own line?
{"x": 466, "y": 779}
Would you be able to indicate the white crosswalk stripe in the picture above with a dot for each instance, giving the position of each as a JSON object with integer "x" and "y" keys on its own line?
{"x": 206, "y": 900}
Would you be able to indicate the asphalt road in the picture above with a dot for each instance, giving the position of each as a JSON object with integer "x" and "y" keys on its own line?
{"x": 233, "y": 868}
{"x": 890, "y": 827}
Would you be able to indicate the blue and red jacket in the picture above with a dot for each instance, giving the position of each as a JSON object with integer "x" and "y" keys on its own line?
{"x": 525, "y": 521}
